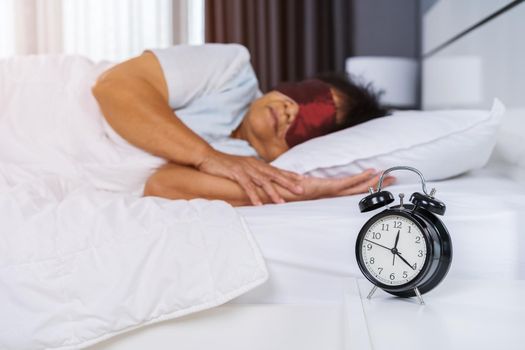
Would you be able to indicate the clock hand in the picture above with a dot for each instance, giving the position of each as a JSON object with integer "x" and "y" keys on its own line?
{"x": 395, "y": 248}
{"x": 406, "y": 262}
{"x": 377, "y": 244}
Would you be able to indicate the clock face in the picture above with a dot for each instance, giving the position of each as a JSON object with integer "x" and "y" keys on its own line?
{"x": 393, "y": 250}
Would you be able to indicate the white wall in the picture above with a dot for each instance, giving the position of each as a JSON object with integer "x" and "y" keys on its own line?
{"x": 447, "y": 18}
{"x": 485, "y": 63}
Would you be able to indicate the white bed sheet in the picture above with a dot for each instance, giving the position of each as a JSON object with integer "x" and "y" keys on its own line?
{"x": 309, "y": 246}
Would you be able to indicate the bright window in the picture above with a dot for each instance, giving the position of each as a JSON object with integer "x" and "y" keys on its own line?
{"x": 7, "y": 28}
{"x": 196, "y": 22}
{"x": 116, "y": 29}
{"x": 99, "y": 29}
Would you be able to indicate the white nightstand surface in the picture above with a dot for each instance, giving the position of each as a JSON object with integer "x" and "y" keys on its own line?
{"x": 458, "y": 314}
{"x": 241, "y": 327}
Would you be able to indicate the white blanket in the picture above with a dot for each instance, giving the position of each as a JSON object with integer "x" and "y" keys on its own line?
{"x": 78, "y": 263}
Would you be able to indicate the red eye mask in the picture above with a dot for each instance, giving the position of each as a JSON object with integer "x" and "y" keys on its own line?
{"x": 316, "y": 116}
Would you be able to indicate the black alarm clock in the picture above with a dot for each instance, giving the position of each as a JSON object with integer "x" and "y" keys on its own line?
{"x": 405, "y": 250}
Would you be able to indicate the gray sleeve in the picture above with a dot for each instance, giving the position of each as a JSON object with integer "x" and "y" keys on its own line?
{"x": 194, "y": 71}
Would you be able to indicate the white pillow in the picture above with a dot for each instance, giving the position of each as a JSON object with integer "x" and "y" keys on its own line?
{"x": 510, "y": 147}
{"x": 509, "y": 153}
{"x": 440, "y": 144}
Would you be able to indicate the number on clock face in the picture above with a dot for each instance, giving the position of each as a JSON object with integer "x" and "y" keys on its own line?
{"x": 388, "y": 265}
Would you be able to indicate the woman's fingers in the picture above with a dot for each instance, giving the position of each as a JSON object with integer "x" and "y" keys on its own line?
{"x": 333, "y": 187}
{"x": 286, "y": 179}
{"x": 349, "y": 181}
{"x": 268, "y": 187}
{"x": 248, "y": 186}
{"x": 291, "y": 175}
{"x": 363, "y": 187}
{"x": 251, "y": 173}
{"x": 270, "y": 190}
{"x": 389, "y": 180}
{"x": 264, "y": 181}
{"x": 360, "y": 187}
{"x": 359, "y": 178}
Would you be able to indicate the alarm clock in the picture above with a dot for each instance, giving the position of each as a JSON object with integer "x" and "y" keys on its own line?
{"x": 405, "y": 249}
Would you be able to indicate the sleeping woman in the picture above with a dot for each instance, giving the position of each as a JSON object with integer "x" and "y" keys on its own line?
{"x": 199, "y": 107}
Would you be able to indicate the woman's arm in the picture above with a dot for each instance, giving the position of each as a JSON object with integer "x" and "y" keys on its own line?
{"x": 175, "y": 181}
{"x": 133, "y": 97}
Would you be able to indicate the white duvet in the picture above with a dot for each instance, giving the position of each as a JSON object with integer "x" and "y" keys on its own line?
{"x": 81, "y": 258}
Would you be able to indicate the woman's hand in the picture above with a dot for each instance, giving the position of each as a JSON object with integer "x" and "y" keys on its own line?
{"x": 175, "y": 181}
{"x": 315, "y": 188}
{"x": 250, "y": 173}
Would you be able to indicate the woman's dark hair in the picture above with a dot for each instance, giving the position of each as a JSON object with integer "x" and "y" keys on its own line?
{"x": 360, "y": 101}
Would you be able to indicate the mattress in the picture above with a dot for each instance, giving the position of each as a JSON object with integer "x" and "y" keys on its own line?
{"x": 309, "y": 246}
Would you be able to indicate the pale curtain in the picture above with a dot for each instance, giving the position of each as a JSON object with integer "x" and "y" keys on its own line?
{"x": 7, "y": 39}
{"x": 99, "y": 29}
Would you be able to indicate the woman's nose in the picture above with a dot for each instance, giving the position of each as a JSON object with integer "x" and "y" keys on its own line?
{"x": 291, "y": 110}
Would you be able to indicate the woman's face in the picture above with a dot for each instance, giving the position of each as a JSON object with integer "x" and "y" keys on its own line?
{"x": 265, "y": 124}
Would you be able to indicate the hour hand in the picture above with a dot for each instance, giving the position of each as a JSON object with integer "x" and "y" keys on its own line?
{"x": 394, "y": 250}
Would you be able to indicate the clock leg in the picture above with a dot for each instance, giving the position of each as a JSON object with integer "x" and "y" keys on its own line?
{"x": 421, "y": 301}
{"x": 371, "y": 293}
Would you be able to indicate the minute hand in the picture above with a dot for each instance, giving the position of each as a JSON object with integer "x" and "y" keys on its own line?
{"x": 377, "y": 244}
{"x": 406, "y": 262}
